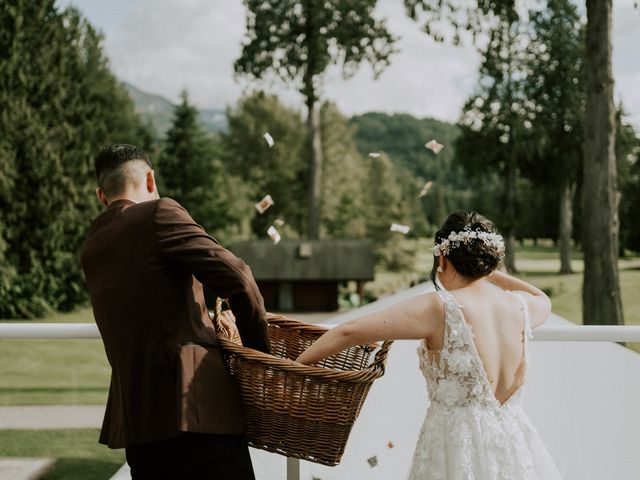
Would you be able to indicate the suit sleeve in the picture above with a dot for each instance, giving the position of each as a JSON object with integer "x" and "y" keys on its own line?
{"x": 190, "y": 248}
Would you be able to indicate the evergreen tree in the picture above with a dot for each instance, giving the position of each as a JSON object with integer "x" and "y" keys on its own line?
{"x": 58, "y": 104}
{"x": 191, "y": 171}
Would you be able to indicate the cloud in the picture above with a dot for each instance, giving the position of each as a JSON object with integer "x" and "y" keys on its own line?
{"x": 163, "y": 46}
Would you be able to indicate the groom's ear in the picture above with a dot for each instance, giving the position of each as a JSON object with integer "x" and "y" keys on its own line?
{"x": 102, "y": 197}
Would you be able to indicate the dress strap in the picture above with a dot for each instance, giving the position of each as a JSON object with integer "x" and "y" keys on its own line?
{"x": 453, "y": 317}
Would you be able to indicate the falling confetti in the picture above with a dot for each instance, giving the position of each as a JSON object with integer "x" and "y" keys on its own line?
{"x": 267, "y": 136}
{"x": 274, "y": 235}
{"x": 374, "y": 154}
{"x": 390, "y": 445}
{"x": 396, "y": 227}
{"x": 373, "y": 461}
{"x": 265, "y": 203}
{"x": 279, "y": 222}
{"x": 434, "y": 146}
{"x": 426, "y": 188}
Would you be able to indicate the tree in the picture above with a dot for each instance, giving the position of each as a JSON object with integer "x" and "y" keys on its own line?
{"x": 601, "y": 300}
{"x": 343, "y": 202}
{"x": 601, "y": 290}
{"x": 384, "y": 207}
{"x": 59, "y": 104}
{"x": 190, "y": 170}
{"x": 296, "y": 42}
{"x": 628, "y": 153}
{"x": 402, "y": 137}
{"x": 555, "y": 88}
{"x": 278, "y": 171}
{"x": 494, "y": 119}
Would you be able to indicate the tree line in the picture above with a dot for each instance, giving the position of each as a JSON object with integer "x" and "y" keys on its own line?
{"x": 518, "y": 144}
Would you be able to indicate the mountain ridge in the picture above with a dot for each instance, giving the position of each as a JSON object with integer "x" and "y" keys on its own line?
{"x": 157, "y": 112}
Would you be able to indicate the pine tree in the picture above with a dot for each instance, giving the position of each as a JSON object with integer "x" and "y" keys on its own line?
{"x": 190, "y": 170}
{"x": 59, "y": 103}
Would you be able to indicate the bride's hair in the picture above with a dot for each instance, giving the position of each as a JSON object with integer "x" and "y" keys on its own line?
{"x": 474, "y": 258}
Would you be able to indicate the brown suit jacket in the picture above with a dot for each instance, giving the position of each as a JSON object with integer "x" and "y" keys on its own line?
{"x": 145, "y": 265}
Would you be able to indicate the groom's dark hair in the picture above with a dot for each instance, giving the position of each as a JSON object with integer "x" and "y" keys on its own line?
{"x": 109, "y": 165}
{"x": 474, "y": 259}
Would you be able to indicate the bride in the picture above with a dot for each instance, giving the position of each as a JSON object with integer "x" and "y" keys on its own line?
{"x": 473, "y": 354}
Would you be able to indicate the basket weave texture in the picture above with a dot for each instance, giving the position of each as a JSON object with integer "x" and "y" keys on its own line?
{"x": 297, "y": 410}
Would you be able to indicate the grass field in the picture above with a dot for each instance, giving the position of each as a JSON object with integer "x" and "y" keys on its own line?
{"x": 42, "y": 372}
{"x": 77, "y": 452}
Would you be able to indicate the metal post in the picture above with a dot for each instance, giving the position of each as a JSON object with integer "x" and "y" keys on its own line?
{"x": 293, "y": 468}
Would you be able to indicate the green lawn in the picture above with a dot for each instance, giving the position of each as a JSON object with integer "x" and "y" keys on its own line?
{"x": 77, "y": 452}
{"x": 56, "y": 371}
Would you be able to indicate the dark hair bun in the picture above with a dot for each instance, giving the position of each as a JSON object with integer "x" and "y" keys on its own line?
{"x": 474, "y": 258}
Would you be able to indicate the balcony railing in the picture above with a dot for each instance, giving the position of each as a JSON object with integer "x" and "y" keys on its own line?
{"x": 564, "y": 333}
{"x": 577, "y": 333}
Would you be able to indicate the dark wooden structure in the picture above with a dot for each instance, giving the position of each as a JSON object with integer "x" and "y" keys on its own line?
{"x": 303, "y": 276}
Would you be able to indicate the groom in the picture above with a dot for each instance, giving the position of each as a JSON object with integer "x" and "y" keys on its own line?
{"x": 172, "y": 405}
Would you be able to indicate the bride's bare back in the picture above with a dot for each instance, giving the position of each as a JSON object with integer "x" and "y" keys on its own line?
{"x": 497, "y": 321}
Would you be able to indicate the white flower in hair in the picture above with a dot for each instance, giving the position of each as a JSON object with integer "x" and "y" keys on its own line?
{"x": 454, "y": 240}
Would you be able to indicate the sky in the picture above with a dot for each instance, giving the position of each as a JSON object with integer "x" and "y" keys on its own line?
{"x": 164, "y": 46}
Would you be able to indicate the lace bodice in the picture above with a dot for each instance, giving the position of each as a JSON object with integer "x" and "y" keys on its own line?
{"x": 456, "y": 376}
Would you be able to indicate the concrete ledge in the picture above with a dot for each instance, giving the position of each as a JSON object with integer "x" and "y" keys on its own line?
{"x": 24, "y": 468}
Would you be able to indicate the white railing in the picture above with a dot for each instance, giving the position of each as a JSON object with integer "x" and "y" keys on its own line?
{"x": 578, "y": 333}
{"x": 569, "y": 333}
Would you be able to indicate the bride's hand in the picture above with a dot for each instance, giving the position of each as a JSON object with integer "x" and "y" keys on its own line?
{"x": 228, "y": 323}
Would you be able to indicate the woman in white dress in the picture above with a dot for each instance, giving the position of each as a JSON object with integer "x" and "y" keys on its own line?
{"x": 473, "y": 355}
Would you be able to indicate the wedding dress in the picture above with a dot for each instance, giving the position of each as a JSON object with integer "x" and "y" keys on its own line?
{"x": 467, "y": 433}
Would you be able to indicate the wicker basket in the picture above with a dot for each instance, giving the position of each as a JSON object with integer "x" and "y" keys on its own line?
{"x": 296, "y": 410}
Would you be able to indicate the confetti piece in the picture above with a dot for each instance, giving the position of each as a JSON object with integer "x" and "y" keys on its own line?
{"x": 396, "y": 227}
{"x": 390, "y": 445}
{"x": 265, "y": 203}
{"x": 374, "y": 154}
{"x": 267, "y": 136}
{"x": 279, "y": 222}
{"x": 426, "y": 188}
{"x": 373, "y": 461}
{"x": 274, "y": 235}
{"x": 434, "y": 146}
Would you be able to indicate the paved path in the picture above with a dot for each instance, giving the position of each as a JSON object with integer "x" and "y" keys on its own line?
{"x": 24, "y": 468}
{"x": 41, "y": 417}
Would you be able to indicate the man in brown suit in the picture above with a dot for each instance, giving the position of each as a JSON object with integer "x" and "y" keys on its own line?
{"x": 172, "y": 405}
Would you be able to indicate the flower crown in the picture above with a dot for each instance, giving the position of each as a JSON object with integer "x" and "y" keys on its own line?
{"x": 454, "y": 240}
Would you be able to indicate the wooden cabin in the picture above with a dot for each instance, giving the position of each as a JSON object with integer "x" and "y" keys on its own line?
{"x": 303, "y": 275}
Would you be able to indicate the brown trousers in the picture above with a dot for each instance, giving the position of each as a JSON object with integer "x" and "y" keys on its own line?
{"x": 193, "y": 456}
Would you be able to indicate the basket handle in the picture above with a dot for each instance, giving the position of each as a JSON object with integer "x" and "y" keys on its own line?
{"x": 380, "y": 359}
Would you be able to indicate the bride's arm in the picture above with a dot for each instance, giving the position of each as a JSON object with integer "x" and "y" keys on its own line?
{"x": 415, "y": 318}
{"x": 538, "y": 301}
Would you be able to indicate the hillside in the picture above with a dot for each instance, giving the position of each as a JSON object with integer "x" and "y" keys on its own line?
{"x": 402, "y": 137}
{"x": 158, "y": 112}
